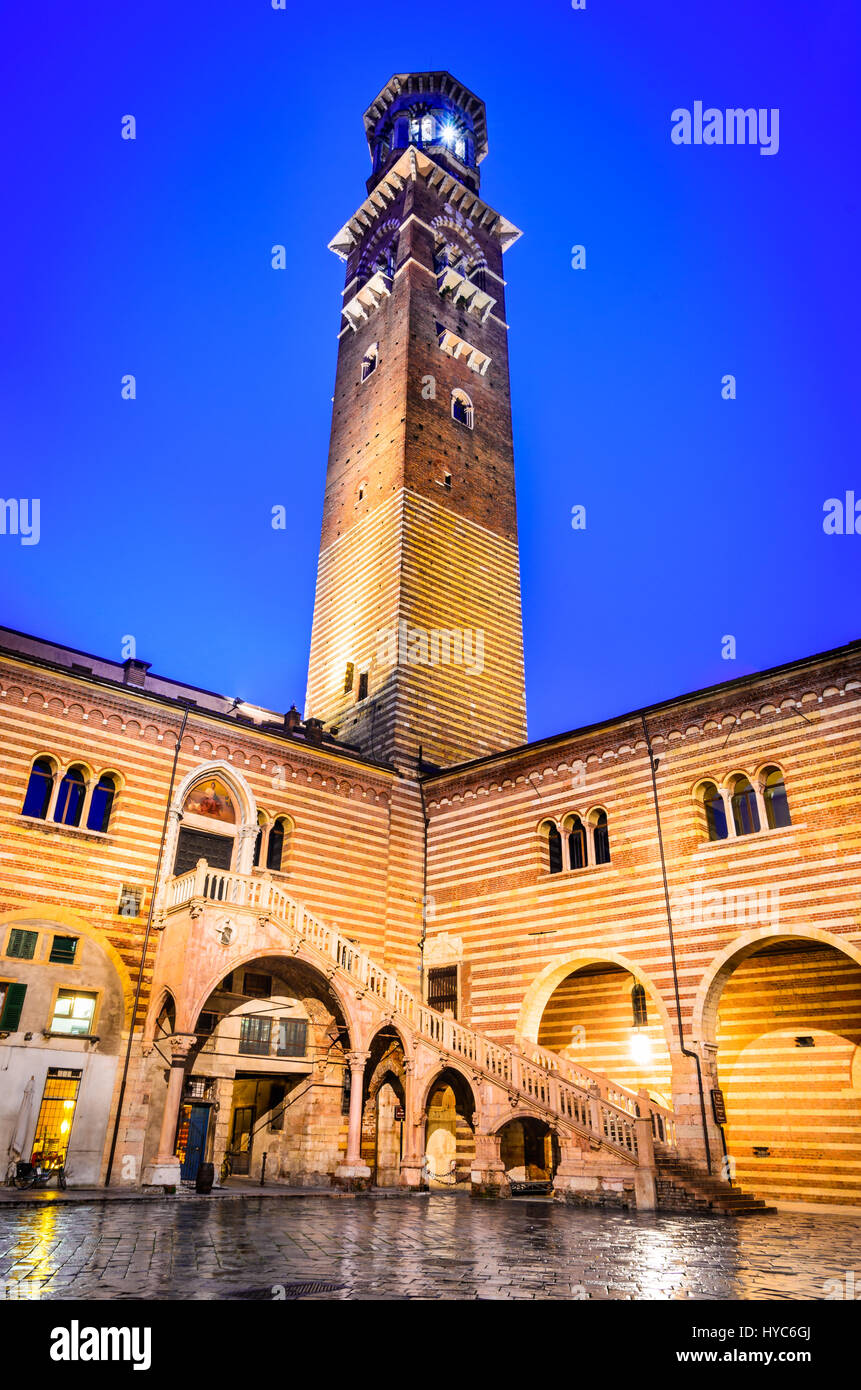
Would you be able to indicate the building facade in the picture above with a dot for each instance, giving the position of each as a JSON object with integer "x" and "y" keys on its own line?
{"x": 391, "y": 941}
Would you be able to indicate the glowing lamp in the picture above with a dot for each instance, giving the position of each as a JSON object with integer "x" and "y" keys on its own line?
{"x": 641, "y": 1049}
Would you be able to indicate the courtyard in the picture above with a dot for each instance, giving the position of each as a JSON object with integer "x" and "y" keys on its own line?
{"x": 413, "y": 1248}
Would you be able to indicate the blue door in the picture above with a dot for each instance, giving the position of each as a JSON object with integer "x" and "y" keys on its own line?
{"x": 195, "y": 1145}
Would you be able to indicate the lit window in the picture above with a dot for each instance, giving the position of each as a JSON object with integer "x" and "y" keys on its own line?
{"x": 70, "y": 798}
{"x": 774, "y": 795}
{"x": 461, "y": 408}
{"x": 639, "y": 1006}
{"x": 427, "y": 129}
{"x": 63, "y": 950}
{"x": 22, "y": 944}
{"x": 39, "y": 789}
{"x": 73, "y": 1013}
{"x": 101, "y": 804}
{"x": 56, "y": 1113}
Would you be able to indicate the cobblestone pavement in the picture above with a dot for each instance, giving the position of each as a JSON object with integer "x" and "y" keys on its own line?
{"x": 410, "y": 1247}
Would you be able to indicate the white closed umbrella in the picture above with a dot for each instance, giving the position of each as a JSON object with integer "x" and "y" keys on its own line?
{"x": 22, "y": 1124}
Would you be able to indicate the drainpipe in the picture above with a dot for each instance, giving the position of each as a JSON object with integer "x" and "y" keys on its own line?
{"x": 142, "y": 965}
{"x": 686, "y": 1051}
{"x": 424, "y": 882}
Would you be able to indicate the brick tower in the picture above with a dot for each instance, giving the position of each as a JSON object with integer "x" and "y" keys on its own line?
{"x": 417, "y": 638}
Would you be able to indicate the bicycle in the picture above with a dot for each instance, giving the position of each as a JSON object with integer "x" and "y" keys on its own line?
{"x": 32, "y": 1175}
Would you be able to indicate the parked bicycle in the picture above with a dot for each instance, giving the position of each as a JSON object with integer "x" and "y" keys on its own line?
{"x": 34, "y": 1175}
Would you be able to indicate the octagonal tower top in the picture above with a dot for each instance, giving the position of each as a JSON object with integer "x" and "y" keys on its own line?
{"x": 433, "y": 111}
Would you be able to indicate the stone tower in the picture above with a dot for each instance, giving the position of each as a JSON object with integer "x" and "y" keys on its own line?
{"x": 417, "y": 639}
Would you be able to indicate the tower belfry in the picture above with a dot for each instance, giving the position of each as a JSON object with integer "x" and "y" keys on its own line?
{"x": 417, "y": 638}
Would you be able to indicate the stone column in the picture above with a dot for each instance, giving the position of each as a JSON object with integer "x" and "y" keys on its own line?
{"x": 412, "y": 1162}
{"x": 726, "y": 797}
{"x": 353, "y": 1173}
{"x": 164, "y": 1170}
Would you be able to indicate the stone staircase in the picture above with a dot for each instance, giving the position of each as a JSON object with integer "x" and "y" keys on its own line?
{"x": 574, "y": 1099}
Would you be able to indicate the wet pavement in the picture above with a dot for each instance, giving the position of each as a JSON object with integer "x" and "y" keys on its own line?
{"x": 413, "y": 1247}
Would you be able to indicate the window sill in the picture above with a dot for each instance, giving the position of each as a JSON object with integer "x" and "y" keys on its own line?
{"x": 756, "y": 837}
{"x": 71, "y": 1037}
{"x": 588, "y": 869}
{"x": 78, "y": 832}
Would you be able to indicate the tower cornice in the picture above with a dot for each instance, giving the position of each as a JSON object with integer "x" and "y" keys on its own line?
{"x": 414, "y": 164}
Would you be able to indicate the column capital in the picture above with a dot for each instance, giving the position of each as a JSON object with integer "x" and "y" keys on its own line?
{"x": 180, "y": 1045}
{"x": 357, "y": 1060}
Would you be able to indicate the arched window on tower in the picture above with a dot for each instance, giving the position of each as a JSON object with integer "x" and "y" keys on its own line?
{"x": 101, "y": 803}
{"x": 745, "y": 812}
{"x": 714, "y": 810}
{"x": 259, "y": 839}
{"x": 39, "y": 788}
{"x": 70, "y": 797}
{"x": 427, "y": 129}
{"x": 370, "y": 360}
{"x": 601, "y": 833}
{"x": 578, "y": 849}
{"x": 639, "y": 1007}
{"x": 774, "y": 795}
{"x": 461, "y": 408}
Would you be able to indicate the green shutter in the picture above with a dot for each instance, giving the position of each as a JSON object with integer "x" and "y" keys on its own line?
{"x": 11, "y": 1015}
{"x": 63, "y": 950}
{"x": 22, "y": 944}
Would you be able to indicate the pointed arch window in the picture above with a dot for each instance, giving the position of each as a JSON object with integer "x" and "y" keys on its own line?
{"x": 551, "y": 839}
{"x": 101, "y": 803}
{"x": 714, "y": 810}
{"x": 462, "y": 409}
{"x": 70, "y": 797}
{"x": 776, "y": 801}
{"x": 39, "y": 788}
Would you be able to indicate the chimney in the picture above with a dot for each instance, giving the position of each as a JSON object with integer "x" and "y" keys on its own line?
{"x": 314, "y": 730}
{"x": 292, "y": 719}
{"x": 134, "y": 671}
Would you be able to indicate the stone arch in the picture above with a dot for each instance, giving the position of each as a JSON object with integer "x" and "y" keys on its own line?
{"x": 246, "y": 827}
{"x": 188, "y": 1014}
{"x": 538, "y": 994}
{"x": 448, "y": 1066}
{"x": 704, "y": 1017}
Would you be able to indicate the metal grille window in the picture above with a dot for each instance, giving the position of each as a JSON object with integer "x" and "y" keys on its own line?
{"x": 639, "y": 1007}
{"x": 255, "y": 1035}
{"x": 442, "y": 988}
{"x": 56, "y": 1113}
{"x": 63, "y": 950}
{"x": 363, "y": 685}
{"x": 73, "y": 1013}
{"x": 292, "y": 1037}
{"x": 22, "y": 944}
{"x": 130, "y": 901}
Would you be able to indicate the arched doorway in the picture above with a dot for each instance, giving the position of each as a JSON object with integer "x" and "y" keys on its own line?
{"x": 785, "y": 1013}
{"x": 449, "y": 1131}
{"x": 529, "y": 1152}
{"x": 384, "y": 1110}
{"x": 602, "y": 1015}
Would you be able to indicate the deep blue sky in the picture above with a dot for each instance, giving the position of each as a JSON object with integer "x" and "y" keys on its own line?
{"x": 704, "y": 516}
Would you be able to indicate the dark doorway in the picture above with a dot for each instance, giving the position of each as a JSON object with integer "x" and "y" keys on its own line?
{"x": 241, "y": 1139}
{"x": 192, "y": 845}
